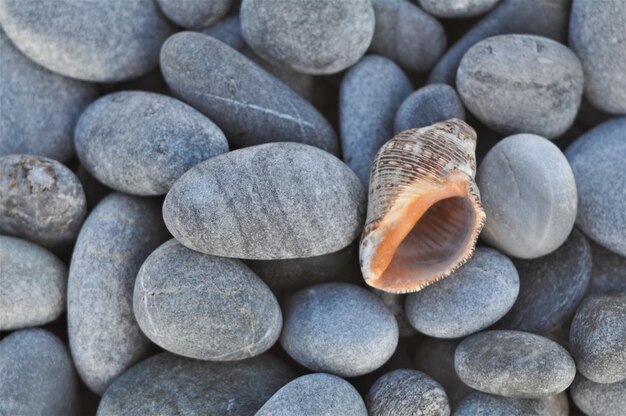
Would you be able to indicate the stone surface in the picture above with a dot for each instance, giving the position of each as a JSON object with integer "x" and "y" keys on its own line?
{"x": 407, "y": 393}
{"x": 521, "y": 84}
{"x": 608, "y": 272}
{"x": 428, "y": 105}
{"x": 321, "y": 37}
{"x": 272, "y": 201}
{"x": 557, "y": 404}
{"x": 140, "y": 142}
{"x": 116, "y": 238}
{"x": 36, "y": 375}
{"x": 228, "y": 31}
{"x": 514, "y": 364}
{"x": 395, "y": 303}
{"x": 315, "y": 395}
{"x": 457, "y": 8}
{"x": 41, "y": 200}
{"x": 338, "y": 328}
{"x": 250, "y": 105}
{"x": 371, "y": 93}
{"x": 598, "y": 398}
{"x": 474, "y": 297}
{"x": 170, "y": 384}
{"x": 407, "y": 35}
{"x": 529, "y": 194}
{"x": 597, "y": 160}
{"x": 195, "y": 14}
{"x": 486, "y": 404}
{"x": 597, "y": 37}
{"x": 597, "y": 338}
{"x": 33, "y": 282}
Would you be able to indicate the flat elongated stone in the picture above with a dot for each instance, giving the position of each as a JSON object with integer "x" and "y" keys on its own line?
{"x": 599, "y": 398}
{"x": 428, "y": 105}
{"x": 195, "y": 14}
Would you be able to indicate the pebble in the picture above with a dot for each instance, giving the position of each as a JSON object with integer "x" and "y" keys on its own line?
{"x": 597, "y": 160}
{"x": 457, "y": 9}
{"x": 557, "y": 404}
{"x": 529, "y": 194}
{"x": 597, "y": 337}
{"x": 88, "y": 40}
{"x": 116, "y": 238}
{"x": 315, "y": 395}
{"x": 248, "y": 104}
{"x": 428, "y": 105}
{"x": 315, "y": 38}
{"x": 195, "y": 14}
{"x": 41, "y": 200}
{"x": 473, "y": 298}
{"x": 236, "y": 316}
{"x": 338, "y": 328}
{"x": 407, "y": 35}
{"x": 597, "y": 37}
{"x": 514, "y": 364}
{"x": 551, "y": 287}
{"x": 608, "y": 272}
{"x": 169, "y": 384}
{"x": 32, "y": 284}
{"x": 140, "y": 142}
{"x": 407, "y": 392}
{"x": 271, "y": 201}
{"x": 395, "y": 303}
{"x": 36, "y": 375}
{"x": 599, "y": 399}
{"x": 228, "y": 31}
{"x": 371, "y": 93}
{"x": 486, "y": 404}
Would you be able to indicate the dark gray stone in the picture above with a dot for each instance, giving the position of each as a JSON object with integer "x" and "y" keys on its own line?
{"x": 272, "y": 201}
{"x": 529, "y": 194}
{"x": 473, "y": 298}
{"x": 547, "y": 18}
{"x": 597, "y": 160}
{"x": 116, "y": 238}
{"x": 338, "y": 328}
{"x": 454, "y": 9}
{"x": 597, "y": 338}
{"x": 514, "y": 364}
{"x": 249, "y": 104}
{"x": 41, "y": 200}
{"x": 597, "y": 37}
{"x": 315, "y": 395}
{"x": 395, "y": 303}
{"x": 88, "y": 40}
{"x": 608, "y": 273}
{"x": 407, "y": 393}
{"x": 428, "y": 105}
{"x": 599, "y": 399}
{"x": 521, "y": 84}
{"x": 204, "y": 307}
{"x": 407, "y": 35}
{"x": 319, "y": 37}
{"x": 371, "y": 93}
{"x": 168, "y": 384}
{"x": 36, "y": 375}
{"x": 482, "y": 404}
{"x": 195, "y": 14}
{"x": 140, "y": 142}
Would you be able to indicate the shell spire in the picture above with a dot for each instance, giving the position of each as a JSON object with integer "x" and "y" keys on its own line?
{"x": 424, "y": 213}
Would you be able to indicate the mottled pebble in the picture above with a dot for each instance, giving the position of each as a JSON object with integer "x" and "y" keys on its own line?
{"x": 482, "y": 404}
{"x": 228, "y": 31}
{"x": 195, "y": 14}
{"x": 599, "y": 399}
{"x": 428, "y": 105}
{"x": 454, "y": 9}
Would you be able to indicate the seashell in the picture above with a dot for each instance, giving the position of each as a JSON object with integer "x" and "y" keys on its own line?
{"x": 424, "y": 213}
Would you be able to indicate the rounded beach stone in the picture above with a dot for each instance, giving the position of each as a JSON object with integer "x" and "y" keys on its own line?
{"x": 599, "y": 398}
{"x": 32, "y": 284}
{"x": 88, "y": 40}
{"x": 529, "y": 194}
{"x": 41, "y": 200}
{"x": 339, "y": 328}
{"x": 228, "y": 31}
{"x": 428, "y": 105}
{"x": 557, "y": 404}
{"x": 486, "y": 404}
{"x": 407, "y": 35}
{"x": 116, "y": 238}
{"x": 320, "y": 37}
{"x": 608, "y": 271}
{"x": 474, "y": 297}
{"x": 597, "y": 37}
{"x": 597, "y": 160}
{"x": 407, "y": 393}
{"x": 166, "y": 383}
{"x": 514, "y": 364}
{"x": 36, "y": 375}
{"x": 457, "y": 8}
{"x": 195, "y": 14}
{"x": 272, "y": 201}
{"x": 597, "y": 337}
{"x": 315, "y": 395}
{"x": 521, "y": 84}
{"x": 371, "y": 92}
{"x": 250, "y": 105}
{"x": 140, "y": 142}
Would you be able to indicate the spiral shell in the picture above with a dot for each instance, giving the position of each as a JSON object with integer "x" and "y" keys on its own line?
{"x": 424, "y": 213}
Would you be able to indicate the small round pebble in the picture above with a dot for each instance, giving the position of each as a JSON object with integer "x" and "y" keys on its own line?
{"x": 195, "y": 14}
{"x": 312, "y": 37}
{"x": 482, "y": 404}
{"x": 454, "y": 9}
{"x": 338, "y": 328}
{"x": 529, "y": 194}
{"x": 428, "y": 105}
{"x": 608, "y": 272}
{"x": 514, "y": 364}
{"x": 599, "y": 399}
{"x": 407, "y": 393}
